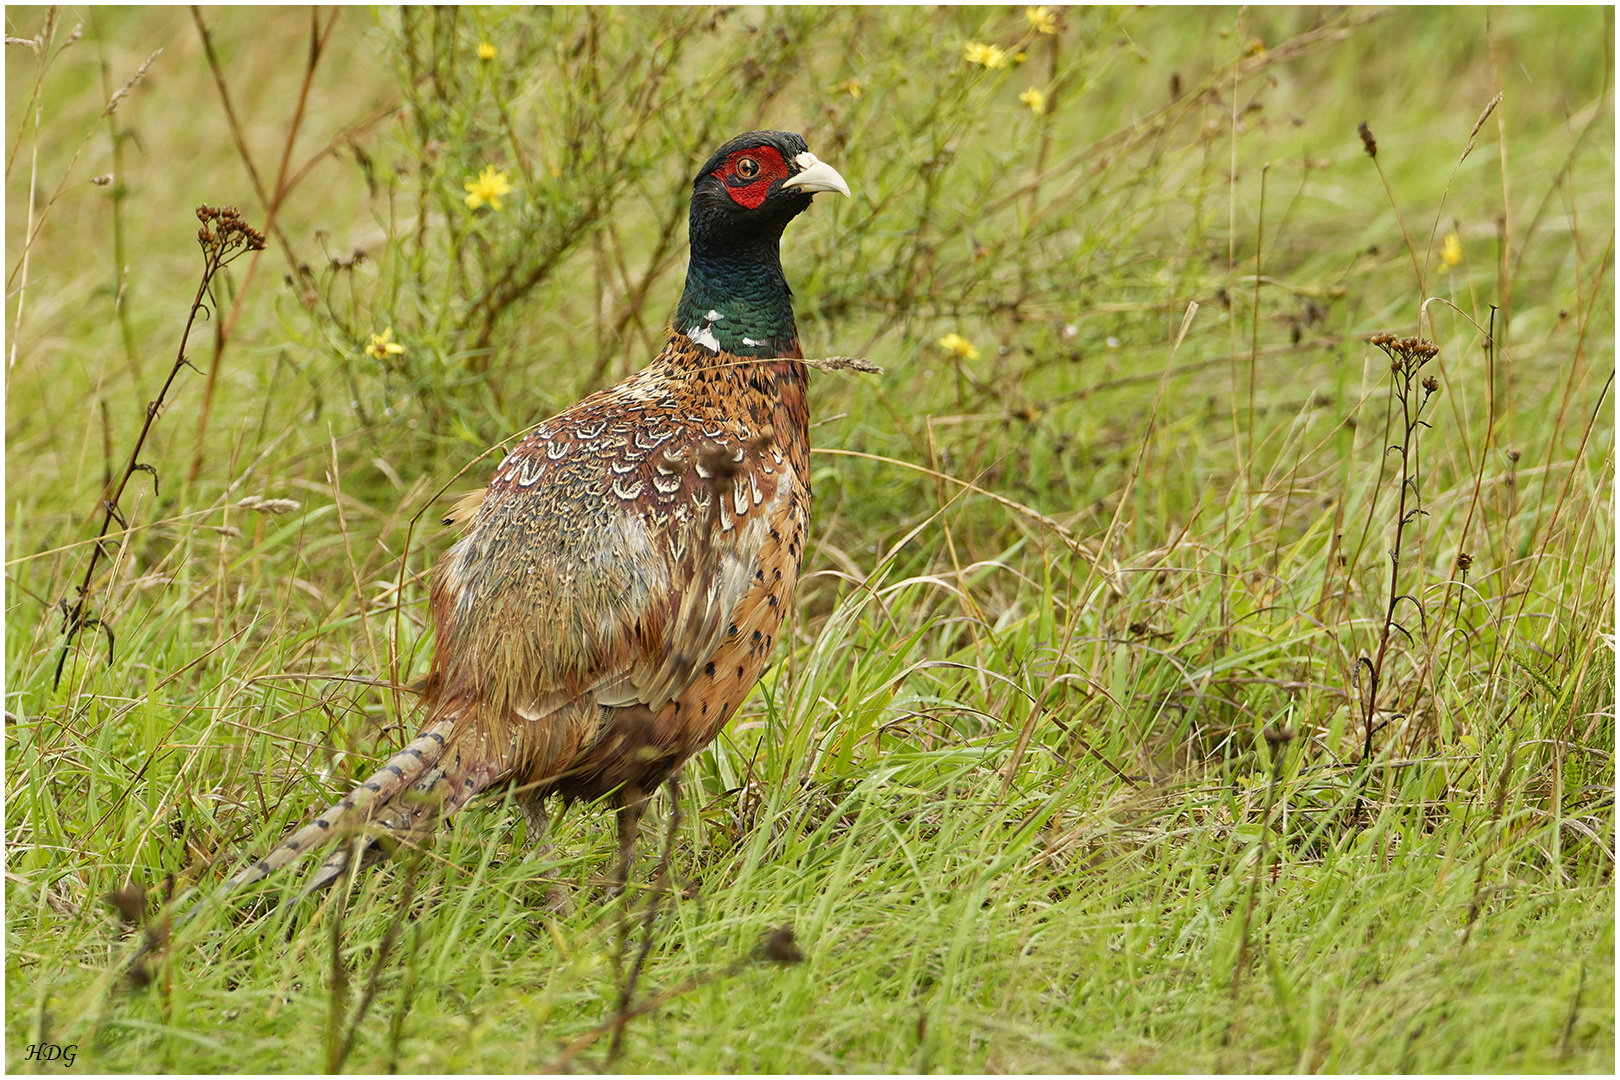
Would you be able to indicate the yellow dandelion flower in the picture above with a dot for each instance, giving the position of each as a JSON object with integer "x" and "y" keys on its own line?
{"x": 1042, "y": 20}
{"x": 986, "y": 56}
{"x": 1451, "y": 251}
{"x": 959, "y": 346}
{"x": 487, "y": 188}
{"x": 383, "y": 345}
{"x": 1034, "y": 99}
{"x": 486, "y": 51}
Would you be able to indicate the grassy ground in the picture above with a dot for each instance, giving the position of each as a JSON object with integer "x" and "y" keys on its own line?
{"x": 1172, "y": 686}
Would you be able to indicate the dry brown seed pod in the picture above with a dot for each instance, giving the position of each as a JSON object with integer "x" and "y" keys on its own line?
{"x": 1368, "y": 143}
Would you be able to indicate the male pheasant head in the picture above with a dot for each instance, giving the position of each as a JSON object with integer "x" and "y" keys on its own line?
{"x": 736, "y": 298}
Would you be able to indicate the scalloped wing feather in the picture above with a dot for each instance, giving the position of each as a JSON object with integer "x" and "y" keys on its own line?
{"x": 610, "y": 560}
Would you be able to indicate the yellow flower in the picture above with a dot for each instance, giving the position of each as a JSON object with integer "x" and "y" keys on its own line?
{"x": 486, "y": 51}
{"x": 853, "y": 89}
{"x": 383, "y": 345}
{"x": 959, "y": 346}
{"x": 487, "y": 188}
{"x": 1034, "y": 99}
{"x": 1042, "y": 20}
{"x": 987, "y": 56}
{"x": 1451, "y": 252}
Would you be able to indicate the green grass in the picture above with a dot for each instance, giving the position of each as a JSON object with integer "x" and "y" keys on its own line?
{"x": 1061, "y": 767}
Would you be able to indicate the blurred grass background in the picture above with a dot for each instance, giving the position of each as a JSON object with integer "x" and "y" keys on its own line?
{"x": 1008, "y": 779}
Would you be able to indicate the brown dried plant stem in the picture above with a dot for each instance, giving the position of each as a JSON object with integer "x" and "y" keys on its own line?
{"x": 120, "y": 190}
{"x": 1277, "y": 739}
{"x": 272, "y": 200}
{"x": 1406, "y": 356}
{"x": 1053, "y": 43}
{"x": 337, "y": 1001}
{"x": 223, "y": 237}
{"x": 1370, "y": 145}
{"x": 1498, "y": 808}
{"x": 1254, "y": 328}
{"x": 338, "y": 1053}
{"x": 649, "y": 919}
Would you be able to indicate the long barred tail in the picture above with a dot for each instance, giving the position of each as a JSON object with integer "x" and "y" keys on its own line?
{"x": 409, "y": 815}
{"x": 381, "y": 800}
{"x": 405, "y": 799}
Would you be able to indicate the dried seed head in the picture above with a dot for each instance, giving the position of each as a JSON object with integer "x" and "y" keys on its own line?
{"x": 780, "y": 947}
{"x": 762, "y": 442}
{"x": 1277, "y": 736}
{"x": 230, "y": 235}
{"x": 1431, "y": 384}
{"x": 272, "y": 506}
{"x": 123, "y": 91}
{"x": 130, "y": 903}
{"x": 1368, "y": 143}
{"x": 1464, "y": 561}
{"x": 1406, "y": 354}
{"x": 722, "y": 467}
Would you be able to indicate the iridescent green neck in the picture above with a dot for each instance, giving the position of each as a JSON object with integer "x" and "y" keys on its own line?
{"x": 737, "y": 300}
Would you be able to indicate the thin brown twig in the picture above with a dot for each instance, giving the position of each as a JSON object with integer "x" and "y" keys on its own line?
{"x": 235, "y": 127}
{"x": 1245, "y": 66}
{"x": 1277, "y": 739}
{"x": 384, "y": 950}
{"x": 109, "y": 109}
{"x": 1575, "y": 368}
{"x": 1505, "y": 272}
{"x": 778, "y": 947}
{"x": 337, "y": 1001}
{"x": 348, "y": 550}
{"x": 1552, "y": 526}
{"x": 1469, "y": 149}
{"x": 1475, "y": 902}
{"x": 655, "y": 902}
{"x": 1407, "y": 357}
{"x": 223, "y": 237}
{"x": 1400, "y": 220}
{"x": 19, "y": 273}
{"x": 318, "y": 41}
{"x": 1254, "y": 328}
{"x": 1058, "y": 527}
{"x": 39, "y": 45}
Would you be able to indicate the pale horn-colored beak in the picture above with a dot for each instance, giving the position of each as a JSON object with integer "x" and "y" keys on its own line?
{"x": 816, "y": 175}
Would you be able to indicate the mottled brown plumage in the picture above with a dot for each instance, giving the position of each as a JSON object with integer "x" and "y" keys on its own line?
{"x": 622, "y": 579}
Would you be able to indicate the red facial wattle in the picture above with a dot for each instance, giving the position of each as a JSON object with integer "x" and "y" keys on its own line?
{"x": 750, "y": 191}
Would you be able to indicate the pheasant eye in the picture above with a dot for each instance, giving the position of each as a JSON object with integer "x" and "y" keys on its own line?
{"x": 747, "y": 168}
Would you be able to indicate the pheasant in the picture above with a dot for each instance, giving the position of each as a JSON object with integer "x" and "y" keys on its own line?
{"x": 622, "y": 578}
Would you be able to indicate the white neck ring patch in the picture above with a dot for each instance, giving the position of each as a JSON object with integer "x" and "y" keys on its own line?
{"x": 702, "y": 335}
